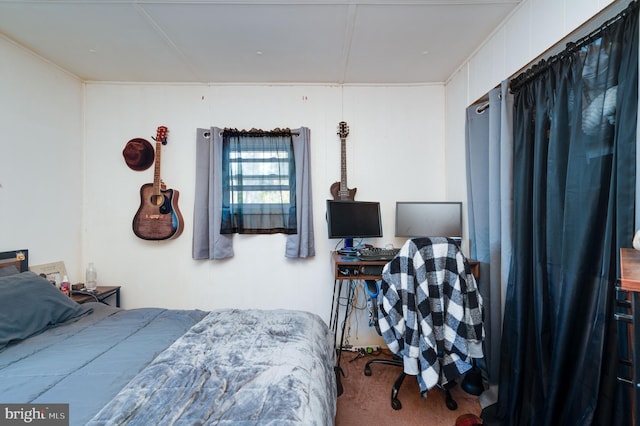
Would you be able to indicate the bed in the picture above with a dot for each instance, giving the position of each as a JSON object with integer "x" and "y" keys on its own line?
{"x": 159, "y": 366}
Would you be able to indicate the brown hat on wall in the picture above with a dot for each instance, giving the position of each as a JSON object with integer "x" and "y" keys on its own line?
{"x": 138, "y": 154}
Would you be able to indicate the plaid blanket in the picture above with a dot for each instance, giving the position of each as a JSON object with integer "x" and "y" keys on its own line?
{"x": 430, "y": 311}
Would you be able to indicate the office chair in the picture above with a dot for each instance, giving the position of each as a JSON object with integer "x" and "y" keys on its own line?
{"x": 431, "y": 280}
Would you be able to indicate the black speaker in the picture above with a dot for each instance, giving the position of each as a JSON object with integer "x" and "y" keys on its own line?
{"x": 472, "y": 382}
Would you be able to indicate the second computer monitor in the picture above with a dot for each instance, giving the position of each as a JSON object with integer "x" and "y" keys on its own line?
{"x": 429, "y": 219}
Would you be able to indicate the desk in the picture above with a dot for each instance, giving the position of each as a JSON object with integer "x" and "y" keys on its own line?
{"x": 353, "y": 270}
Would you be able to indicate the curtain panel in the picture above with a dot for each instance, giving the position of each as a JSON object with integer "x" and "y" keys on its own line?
{"x": 208, "y": 242}
{"x": 489, "y": 208}
{"x": 574, "y": 198}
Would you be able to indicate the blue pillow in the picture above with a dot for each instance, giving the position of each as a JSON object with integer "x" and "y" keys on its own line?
{"x": 29, "y": 304}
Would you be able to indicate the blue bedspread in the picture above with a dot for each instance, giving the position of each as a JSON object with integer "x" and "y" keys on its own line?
{"x": 85, "y": 363}
{"x": 236, "y": 367}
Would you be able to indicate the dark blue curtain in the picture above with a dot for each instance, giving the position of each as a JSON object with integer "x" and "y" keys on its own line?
{"x": 574, "y": 196}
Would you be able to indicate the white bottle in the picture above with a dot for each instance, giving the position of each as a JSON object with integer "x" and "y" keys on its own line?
{"x": 91, "y": 281}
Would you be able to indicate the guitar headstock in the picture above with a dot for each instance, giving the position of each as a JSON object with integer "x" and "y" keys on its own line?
{"x": 343, "y": 130}
{"x": 161, "y": 135}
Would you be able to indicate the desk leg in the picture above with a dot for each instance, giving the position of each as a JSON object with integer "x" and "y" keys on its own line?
{"x": 347, "y": 312}
{"x": 335, "y": 307}
{"x": 635, "y": 355}
{"x": 333, "y": 324}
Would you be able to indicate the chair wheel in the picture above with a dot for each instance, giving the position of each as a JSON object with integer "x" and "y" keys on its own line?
{"x": 451, "y": 404}
{"x": 367, "y": 370}
{"x": 395, "y": 404}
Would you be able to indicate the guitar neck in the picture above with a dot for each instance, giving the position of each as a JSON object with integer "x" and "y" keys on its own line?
{"x": 341, "y": 191}
{"x": 343, "y": 166}
{"x": 156, "y": 171}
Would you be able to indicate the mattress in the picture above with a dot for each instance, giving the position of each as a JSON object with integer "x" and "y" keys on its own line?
{"x": 157, "y": 366}
{"x": 85, "y": 363}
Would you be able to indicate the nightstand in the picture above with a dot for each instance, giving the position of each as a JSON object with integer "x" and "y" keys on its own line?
{"x": 99, "y": 295}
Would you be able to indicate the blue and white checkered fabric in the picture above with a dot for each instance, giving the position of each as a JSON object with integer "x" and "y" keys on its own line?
{"x": 430, "y": 311}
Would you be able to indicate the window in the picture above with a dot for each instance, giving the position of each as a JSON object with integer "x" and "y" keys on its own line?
{"x": 208, "y": 241}
{"x": 258, "y": 182}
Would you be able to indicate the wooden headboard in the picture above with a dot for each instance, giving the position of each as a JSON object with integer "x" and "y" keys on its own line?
{"x": 17, "y": 258}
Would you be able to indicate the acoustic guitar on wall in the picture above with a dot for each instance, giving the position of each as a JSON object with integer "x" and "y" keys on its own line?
{"x": 158, "y": 217}
{"x": 339, "y": 190}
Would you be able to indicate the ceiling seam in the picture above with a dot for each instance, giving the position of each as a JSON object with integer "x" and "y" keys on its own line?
{"x": 158, "y": 29}
{"x": 348, "y": 37}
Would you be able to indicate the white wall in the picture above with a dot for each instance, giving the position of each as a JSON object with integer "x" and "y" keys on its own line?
{"x": 67, "y": 194}
{"x": 40, "y": 158}
{"x": 395, "y": 151}
{"x": 534, "y": 28}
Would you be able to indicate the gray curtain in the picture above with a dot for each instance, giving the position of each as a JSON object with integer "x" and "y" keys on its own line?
{"x": 302, "y": 244}
{"x": 208, "y": 243}
{"x": 489, "y": 207}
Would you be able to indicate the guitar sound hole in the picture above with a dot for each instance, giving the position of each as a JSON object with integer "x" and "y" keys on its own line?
{"x": 157, "y": 200}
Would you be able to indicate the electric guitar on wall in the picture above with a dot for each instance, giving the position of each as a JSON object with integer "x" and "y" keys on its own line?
{"x": 158, "y": 217}
{"x": 339, "y": 190}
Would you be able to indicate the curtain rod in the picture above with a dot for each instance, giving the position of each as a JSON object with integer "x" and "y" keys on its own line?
{"x": 256, "y": 132}
{"x": 481, "y": 108}
{"x": 571, "y": 47}
{"x": 483, "y": 105}
{"x": 260, "y": 132}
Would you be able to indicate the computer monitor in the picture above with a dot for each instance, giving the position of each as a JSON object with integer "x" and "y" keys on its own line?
{"x": 429, "y": 219}
{"x": 353, "y": 219}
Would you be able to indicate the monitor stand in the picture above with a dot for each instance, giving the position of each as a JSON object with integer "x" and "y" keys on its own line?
{"x": 348, "y": 250}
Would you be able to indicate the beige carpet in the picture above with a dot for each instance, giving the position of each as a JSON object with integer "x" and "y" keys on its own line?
{"x": 367, "y": 400}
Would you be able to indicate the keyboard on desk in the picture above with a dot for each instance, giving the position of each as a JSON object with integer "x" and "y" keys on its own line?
{"x": 377, "y": 253}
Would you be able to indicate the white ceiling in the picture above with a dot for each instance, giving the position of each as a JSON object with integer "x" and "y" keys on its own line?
{"x": 263, "y": 41}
